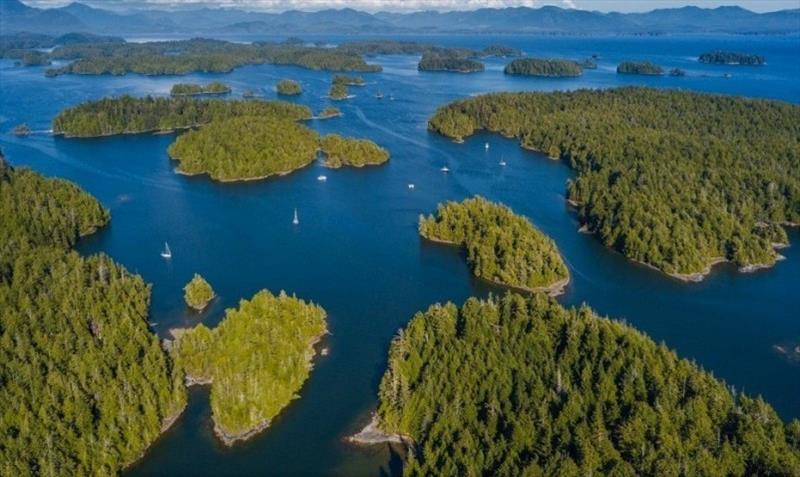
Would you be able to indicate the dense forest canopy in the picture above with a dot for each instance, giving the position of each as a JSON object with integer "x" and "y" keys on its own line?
{"x": 526, "y": 387}
{"x": 340, "y": 151}
{"x": 198, "y": 292}
{"x": 502, "y": 247}
{"x": 190, "y": 89}
{"x": 129, "y": 115}
{"x": 640, "y": 68}
{"x": 247, "y": 147}
{"x": 434, "y": 62}
{"x": 257, "y": 359}
{"x": 289, "y": 87}
{"x": 669, "y": 178}
{"x": 543, "y": 67}
{"x": 86, "y": 387}
{"x": 338, "y": 91}
{"x": 731, "y": 58}
{"x": 348, "y": 80}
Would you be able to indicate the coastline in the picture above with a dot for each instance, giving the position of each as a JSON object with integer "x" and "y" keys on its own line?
{"x": 371, "y": 434}
{"x": 245, "y": 179}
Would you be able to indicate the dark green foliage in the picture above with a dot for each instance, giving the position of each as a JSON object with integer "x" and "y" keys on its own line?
{"x": 394, "y": 47}
{"x": 731, "y": 58}
{"x": 543, "y": 67}
{"x": 191, "y": 89}
{"x": 340, "y": 151}
{"x": 257, "y": 359}
{"x": 129, "y": 115}
{"x": 289, "y": 87}
{"x": 673, "y": 179}
{"x": 348, "y": 80}
{"x": 434, "y": 62}
{"x": 501, "y": 51}
{"x": 639, "y": 68}
{"x": 677, "y": 72}
{"x": 501, "y": 247}
{"x": 248, "y": 147}
{"x": 525, "y": 387}
{"x": 338, "y": 91}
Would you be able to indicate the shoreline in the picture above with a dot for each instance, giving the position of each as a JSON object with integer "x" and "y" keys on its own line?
{"x": 245, "y": 179}
{"x": 371, "y": 434}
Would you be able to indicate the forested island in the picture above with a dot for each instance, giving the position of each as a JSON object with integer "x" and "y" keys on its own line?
{"x": 289, "y": 87}
{"x": 672, "y": 179}
{"x": 552, "y": 68}
{"x": 502, "y": 247}
{"x": 639, "y": 68}
{"x": 731, "y": 58}
{"x": 256, "y": 360}
{"x": 245, "y": 148}
{"x": 129, "y": 115}
{"x": 348, "y": 80}
{"x": 338, "y": 91}
{"x": 198, "y": 293}
{"x": 500, "y": 51}
{"x": 191, "y": 89}
{"x": 435, "y": 62}
{"x": 523, "y": 386}
{"x": 340, "y": 151}
{"x": 329, "y": 112}
{"x": 86, "y": 385}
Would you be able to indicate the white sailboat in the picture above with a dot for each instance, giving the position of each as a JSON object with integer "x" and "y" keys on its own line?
{"x": 322, "y": 178}
{"x": 166, "y": 253}
{"x": 296, "y": 220}
{"x": 411, "y": 186}
{"x": 502, "y": 162}
{"x": 445, "y": 169}
{"x": 487, "y": 146}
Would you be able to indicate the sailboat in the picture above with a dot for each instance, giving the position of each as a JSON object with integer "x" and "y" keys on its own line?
{"x": 167, "y": 253}
{"x": 487, "y": 146}
{"x": 296, "y": 220}
{"x": 502, "y": 162}
{"x": 445, "y": 169}
{"x": 411, "y": 186}
{"x": 379, "y": 95}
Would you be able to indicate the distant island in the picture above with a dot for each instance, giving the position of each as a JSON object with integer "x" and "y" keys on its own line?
{"x": 502, "y": 247}
{"x": 348, "y": 80}
{"x": 530, "y": 387}
{"x": 340, "y": 151}
{"x": 640, "y": 68}
{"x": 21, "y": 130}
{"x": 677, "y": 72}
{"x": 700, "y": 179}
{"x": 198, "y": 293}
{"x": 338, "y": 91}
{"x": 289, "y": 87}
{"x": 552, "y": 68}
{"x": 731, "y": 58}
{"x": 256, "y": 360}
{"x": 329, "y": 112}
{"x": 191, "y": 89}
{"x": 434, "y": 62}
{"x": 589, "y": 64}
{"x": 500, "y": 51}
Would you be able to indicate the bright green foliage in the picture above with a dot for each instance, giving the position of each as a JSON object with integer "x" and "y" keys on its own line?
{"x": 502, "y": 247}
{"x": 348, "y": 80}
{"x": 246, "y": 147}
{"x": 289, "y": 87}
{"x": 639, "y": 68}
{"x": 36, "y": 211}
{"x": 434, "y": 62}
{"x": 129, "y": 115}
{"x": 198, "y": 292}
{"x": 669, "y": 178}
{"x": 525, "y": 387}
{"x": 257, "y": 358}
{"x": 86, "y": 387}
{"x": 190, "y": 89}
{"x": 731, "y": 58}
{"x": 340, "y": 151}
{"x": 338, "y": 91}
{"x": 543, "y": 67}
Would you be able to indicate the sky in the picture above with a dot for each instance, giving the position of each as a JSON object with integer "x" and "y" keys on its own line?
{"x": 414, "y": 5}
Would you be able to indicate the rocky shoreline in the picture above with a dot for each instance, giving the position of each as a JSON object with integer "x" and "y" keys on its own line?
{"x": 371, "y": 434}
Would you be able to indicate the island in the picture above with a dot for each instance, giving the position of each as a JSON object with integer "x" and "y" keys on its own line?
{"x": 129, "y": 115}
{"x": 256, "y": 360}
{"x": 329, "y": 112}
{"x": 21, "y": 130}
{"x": 190, "y": 89}
{"x": 677, "y": 72}
{"x": 348, "y": 80}
{"x": 289, "y": 87}
{"x": 245, "y": 148}
{"x": 500, "y": 51}
{"x": 639, "y": 68}
{"x": 338, "y": 92}
{"x": 455, "y": 64}
{"x": 699, "y": 179}
{"x": 340, "y": 151}
{"x": 551, "y": 68}
{"x": 502, "y": 247}
{"x": 731, "y": 58}
{"x": 198, "y": 293}
{"x": 81, "y": 369}
{"x": 524, "y": 386}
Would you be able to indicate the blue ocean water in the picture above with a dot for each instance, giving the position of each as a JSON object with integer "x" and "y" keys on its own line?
{"x": 356, "y": 251}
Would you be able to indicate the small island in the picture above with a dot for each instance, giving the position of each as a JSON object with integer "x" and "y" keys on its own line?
{"x": 191, "y": 89}
{"x": 348, "y": 80}
{"x": 289, "y": 87}
{"x": 338, "y": 92}
{"x": 677, "y": 72}
{"x": 500, "y": 51}
{"x": 640, "y": 68}
{"x": 340, "y": 151}
{"x": 198, "y": 293}
{"x": 451, "y": 63}
{"x": 256, "y": 360}
{"x": 329, "y": 112}
{"x": 731, "y": 58}
{"x": 502, "y": 247}
{"x": 21, "y": 130}
{"x": 550, "y": 68}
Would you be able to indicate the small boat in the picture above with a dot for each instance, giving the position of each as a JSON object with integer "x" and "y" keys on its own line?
{"x": 445, "y": 169}
{"x": 295, "y": 220}
{"x": 166, "y": 253}
{"x": 322, "y": 178}
{"x": 379, "y": 95}
{"x": 486, "y": 146}
{"x": 502, "y": 163}
{"x": 411, "y": 186}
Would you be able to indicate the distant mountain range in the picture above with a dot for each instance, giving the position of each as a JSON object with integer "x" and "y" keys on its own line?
{"x": 15, "y": 16}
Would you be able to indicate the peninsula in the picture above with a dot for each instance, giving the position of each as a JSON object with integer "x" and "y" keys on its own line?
{"x": 340, "y": 151}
